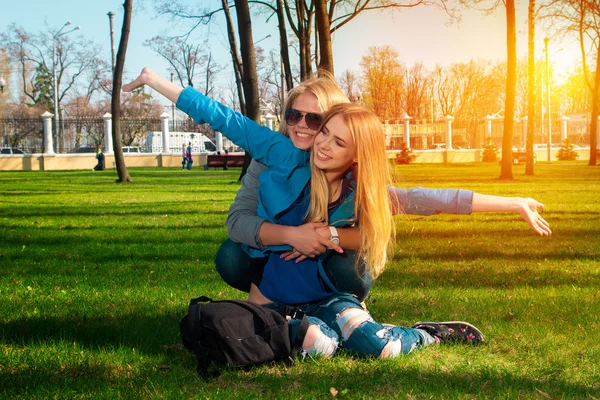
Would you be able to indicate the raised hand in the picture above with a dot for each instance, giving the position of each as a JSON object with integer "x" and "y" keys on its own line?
{"x": 529, "y": 212}
{"x": 140, "y": 81}
{"x": 161, "y": 85}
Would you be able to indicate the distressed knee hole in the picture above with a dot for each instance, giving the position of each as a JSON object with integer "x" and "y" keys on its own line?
{"x": 317, "y": 343}
{"x": 392, "y": 349}
{"x": 350, "y": 319}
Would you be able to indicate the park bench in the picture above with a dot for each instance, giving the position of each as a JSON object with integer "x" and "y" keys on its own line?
{"x": 521, "y": 157}
{"x": 224, "y": 161}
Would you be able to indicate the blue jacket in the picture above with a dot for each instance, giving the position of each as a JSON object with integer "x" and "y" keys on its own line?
{"x": 288, "y": 170}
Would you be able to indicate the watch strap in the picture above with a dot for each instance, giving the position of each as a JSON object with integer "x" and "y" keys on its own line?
{"x": 333, "y": 232}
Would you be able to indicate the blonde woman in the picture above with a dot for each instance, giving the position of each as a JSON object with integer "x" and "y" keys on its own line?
{"x": 348, "y": 187}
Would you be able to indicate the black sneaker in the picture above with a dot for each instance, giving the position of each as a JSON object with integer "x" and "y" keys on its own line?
{"x": 452, "y": 332}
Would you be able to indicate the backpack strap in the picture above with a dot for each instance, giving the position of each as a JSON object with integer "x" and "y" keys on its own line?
{"x": 297, "y": 341}
{"x": 201, "y": 299}
{"x": 195, "y": 326}
{"x": 297, "y": 313}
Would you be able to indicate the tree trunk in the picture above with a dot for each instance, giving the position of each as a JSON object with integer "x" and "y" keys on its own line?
{"x": 235, "y": 58}
{"x": 115, "y": 106}
{"x": 303, "y": 41}
{"x": 511, "y": 83}
{"x": 283, "y": 42}
{"x": 595, "y": 112}
{"x": 531, "y": 86}
{"x": 250, "y": 82}
{"x": 324, "y": 33}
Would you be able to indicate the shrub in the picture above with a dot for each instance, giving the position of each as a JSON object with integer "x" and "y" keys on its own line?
{"x": 567, "y": 151}
{"x": 490, "y": 152}
{"x": 405, "y": 156}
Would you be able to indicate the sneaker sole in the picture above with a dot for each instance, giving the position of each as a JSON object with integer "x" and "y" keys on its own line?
{"x": 476, "y": 331}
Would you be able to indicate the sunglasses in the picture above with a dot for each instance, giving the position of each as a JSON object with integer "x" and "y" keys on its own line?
{"x": 293, "y": 117}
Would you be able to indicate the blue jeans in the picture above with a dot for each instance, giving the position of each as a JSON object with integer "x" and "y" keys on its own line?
{"x": 368, "y": 337}
{"x": 235, "y": 267}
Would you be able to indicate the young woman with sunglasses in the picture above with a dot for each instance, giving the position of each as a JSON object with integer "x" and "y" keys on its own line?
{"x": 348, "y": 172}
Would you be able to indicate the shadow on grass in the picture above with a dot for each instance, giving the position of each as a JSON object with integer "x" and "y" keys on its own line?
{"x": 120, "y": 211}
{"x": 146, "y": 333}
{"x": 364, "y": 379}
{"x": 381, "y": 381}
{"x": 98, "y": 230}
{"x": 475, "y": 277}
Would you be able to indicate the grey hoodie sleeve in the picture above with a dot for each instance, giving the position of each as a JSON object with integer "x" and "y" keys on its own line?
{"x": 243, "y": 226}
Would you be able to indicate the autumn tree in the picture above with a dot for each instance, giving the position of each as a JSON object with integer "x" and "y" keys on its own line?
{"x": 511, "y": 75}
{"x": 417, "y": 93}
{"x": 349, "y": 83}
{"x": 582, "y": 19}
{"x": 383, "y": 82}
{"x": 575, "y": 95}
{"x": 468, "y": 91}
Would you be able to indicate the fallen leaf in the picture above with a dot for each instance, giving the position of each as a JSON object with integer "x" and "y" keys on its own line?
{"x": 546, "y": 395}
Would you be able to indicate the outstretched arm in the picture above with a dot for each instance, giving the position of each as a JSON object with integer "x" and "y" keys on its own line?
{"x": 526, "y": 207}
{"x": 422, "y": 201}
{"x": 260, "y": 142}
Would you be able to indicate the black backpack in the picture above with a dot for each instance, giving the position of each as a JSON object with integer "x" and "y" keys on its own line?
{"x": 238, "y": 333}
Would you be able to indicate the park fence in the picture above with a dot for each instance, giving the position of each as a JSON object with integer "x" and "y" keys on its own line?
{"x": 82, "y": 134}
{"x": 23, "y": 133}
{"x": 435, "y": 136}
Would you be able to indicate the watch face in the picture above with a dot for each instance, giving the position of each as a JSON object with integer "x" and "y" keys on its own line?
{"x": 335, "y": 240}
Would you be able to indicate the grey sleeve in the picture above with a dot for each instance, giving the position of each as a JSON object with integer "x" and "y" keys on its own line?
{"x": 243, "y": 226}
{"x": 422, "y": 201}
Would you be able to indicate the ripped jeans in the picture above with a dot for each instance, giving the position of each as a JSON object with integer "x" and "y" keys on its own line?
{"x": 341, "y": 317}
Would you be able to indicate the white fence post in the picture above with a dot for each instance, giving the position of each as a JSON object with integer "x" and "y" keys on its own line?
{"x": 407, "y": 130}
{"x": 488, "y": 126}
{"x": 525, "y": 120}
{"x": 219, "y": 142}
{"x": 564, "y": 127}
{"x": 48, "y": 145}
{"x": 108, "y": 143}
{"x": 269, "y": 118}
{"x": 449, "y": 120}
{"x": 164, "y": 127}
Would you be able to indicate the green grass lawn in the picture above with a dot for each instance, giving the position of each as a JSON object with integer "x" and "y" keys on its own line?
{"x": 94, "y": 277}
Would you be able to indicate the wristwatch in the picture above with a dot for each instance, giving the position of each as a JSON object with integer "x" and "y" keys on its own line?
{"x": 334, "y": 238}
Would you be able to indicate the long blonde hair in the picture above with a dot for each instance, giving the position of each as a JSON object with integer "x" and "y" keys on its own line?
{"x": 323, "y": 87}
{"x": 371, "y": 202}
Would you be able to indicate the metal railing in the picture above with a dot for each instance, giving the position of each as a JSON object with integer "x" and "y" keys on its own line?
{"x": 25, "y": 134}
